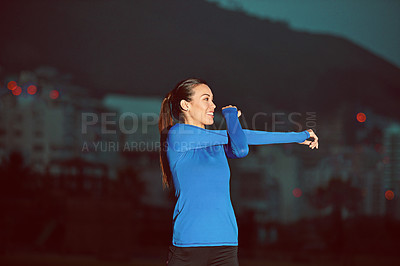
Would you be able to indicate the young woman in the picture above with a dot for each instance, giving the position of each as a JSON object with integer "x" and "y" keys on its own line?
{"x": 194, "y": 161}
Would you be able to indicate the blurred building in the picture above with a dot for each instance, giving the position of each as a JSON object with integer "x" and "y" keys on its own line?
{"x": 139, "y": 141}
{"x": 45, "y": 124}
{"x": 137, "y": 120}
{"x": 60, "y": 125}
{"x": 392, "y": 168}
{"x": 61, "y": 129}
{"x": 264, "y": 182}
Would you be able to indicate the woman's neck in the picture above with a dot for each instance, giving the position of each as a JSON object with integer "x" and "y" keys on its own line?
{"x": 192, "y": 123}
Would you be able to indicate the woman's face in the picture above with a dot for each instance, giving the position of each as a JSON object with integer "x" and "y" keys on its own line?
{"x": 200, "y": 110}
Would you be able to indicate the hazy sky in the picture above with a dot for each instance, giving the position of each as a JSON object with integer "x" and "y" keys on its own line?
{"x": 372, "y": 24}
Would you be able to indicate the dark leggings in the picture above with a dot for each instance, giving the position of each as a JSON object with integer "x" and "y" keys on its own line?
{"x": 203, "y": 256}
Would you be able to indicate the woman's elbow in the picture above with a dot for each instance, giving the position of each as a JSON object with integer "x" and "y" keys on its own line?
{"x": 242, "y": 152}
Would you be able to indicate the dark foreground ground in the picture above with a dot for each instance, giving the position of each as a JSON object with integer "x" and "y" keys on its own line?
{"x": 36, "y": 259}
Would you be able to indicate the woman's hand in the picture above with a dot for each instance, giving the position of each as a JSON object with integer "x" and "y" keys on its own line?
{"x": 239, "y": 112}
{"x": 312, "y": 144}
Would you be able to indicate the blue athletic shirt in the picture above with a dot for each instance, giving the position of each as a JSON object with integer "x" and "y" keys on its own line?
{"x": 203, "y": 214}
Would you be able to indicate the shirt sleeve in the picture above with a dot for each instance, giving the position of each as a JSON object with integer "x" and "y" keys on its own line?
{"x": 256, "y": 137}
{"x": 237, "y": 146}
{"x": 183, "y": 137}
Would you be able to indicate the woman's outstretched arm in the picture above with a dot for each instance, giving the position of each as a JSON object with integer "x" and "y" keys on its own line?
{"x": 256, "y": 137}
{"x": 183, "y": 137}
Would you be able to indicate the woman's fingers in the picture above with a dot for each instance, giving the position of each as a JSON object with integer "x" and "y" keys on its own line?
{"x": 312, "y": 134}
{"x": 315, "y": 140}
{"x": 313, "y": 144}
{"x": 228, "y": 106}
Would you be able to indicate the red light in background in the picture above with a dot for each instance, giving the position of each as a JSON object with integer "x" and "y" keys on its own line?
{"x": 32, "y": 89}
{"x": 54, "y": 94}
{"x": 389, "y": 195}
{"x": 12, "y": 85}
{"x": 361, "y": 117}
{"x": 297, "y": 192}
{"x": 16, "y": 91}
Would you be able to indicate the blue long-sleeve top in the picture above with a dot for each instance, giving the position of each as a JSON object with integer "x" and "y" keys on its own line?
{"x": 203, "y": 214}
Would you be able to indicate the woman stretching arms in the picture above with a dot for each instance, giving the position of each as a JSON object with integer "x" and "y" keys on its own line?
{"x": 194, "y": 161}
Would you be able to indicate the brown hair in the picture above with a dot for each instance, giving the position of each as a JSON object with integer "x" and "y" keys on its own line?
{"x": 170, "y": 109}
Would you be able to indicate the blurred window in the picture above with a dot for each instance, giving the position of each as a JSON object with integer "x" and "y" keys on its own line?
{"x": 38, "y": 134}
{"x": 17, "y": 133}
{"x": 18, "y": 117}
{"x": 38, "y": 148}
{"x": 37, "y": 113}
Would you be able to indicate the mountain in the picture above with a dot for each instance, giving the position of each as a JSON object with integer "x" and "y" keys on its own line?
{"x": 145, "y": 47}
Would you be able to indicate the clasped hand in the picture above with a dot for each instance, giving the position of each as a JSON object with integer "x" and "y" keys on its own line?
{"x": 228, "y": 106}
{"x": 312, "y": 144}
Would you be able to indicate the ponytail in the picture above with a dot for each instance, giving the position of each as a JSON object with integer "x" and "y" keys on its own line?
{"x": 165, "y": 122}
{"x": 170, "y": 109}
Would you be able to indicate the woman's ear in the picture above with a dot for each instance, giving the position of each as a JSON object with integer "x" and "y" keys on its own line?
{"x": 184, "y": 105}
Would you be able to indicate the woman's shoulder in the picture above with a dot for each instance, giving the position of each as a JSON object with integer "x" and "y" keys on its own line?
{"x": 185, "y": 128}
{"x": 176, "y": 128}
{"x": 181, "y": 132}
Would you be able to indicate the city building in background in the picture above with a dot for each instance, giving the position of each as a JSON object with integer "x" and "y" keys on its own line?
{"x": 392, "y": 168}
{"x": 61, "y": 129}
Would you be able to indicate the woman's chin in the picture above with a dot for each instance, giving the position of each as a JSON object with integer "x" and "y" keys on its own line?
{"x": 209, "y": 122}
